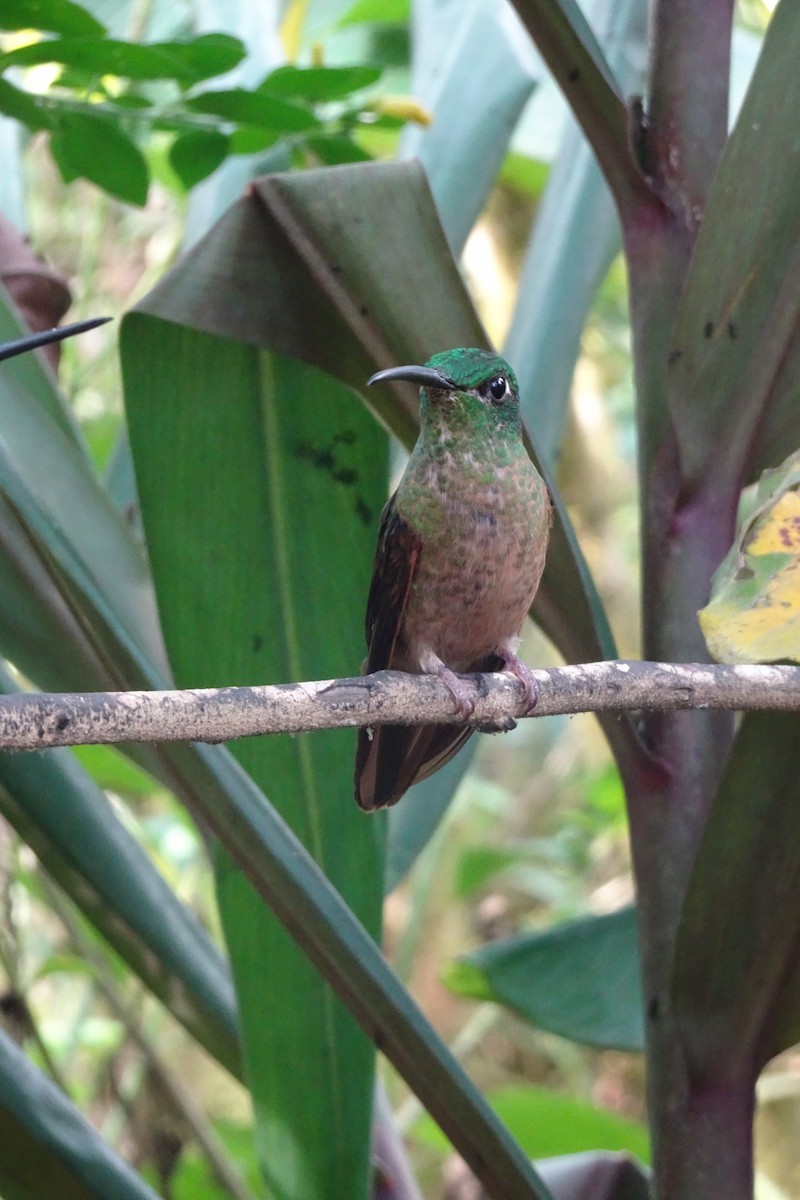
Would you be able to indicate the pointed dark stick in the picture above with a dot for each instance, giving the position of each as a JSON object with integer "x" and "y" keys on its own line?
{"x": 35, "y": 340}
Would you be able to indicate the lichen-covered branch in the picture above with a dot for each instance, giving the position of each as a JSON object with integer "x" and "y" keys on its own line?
{"x": 34, "y": 721}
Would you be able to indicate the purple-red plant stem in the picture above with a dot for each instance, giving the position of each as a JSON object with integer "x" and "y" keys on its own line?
{"x": 702, "y": 1139}
{"x": 688, "y": 98}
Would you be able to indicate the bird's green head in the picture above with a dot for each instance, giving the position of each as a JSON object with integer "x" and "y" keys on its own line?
{"x": 466, "y": 385}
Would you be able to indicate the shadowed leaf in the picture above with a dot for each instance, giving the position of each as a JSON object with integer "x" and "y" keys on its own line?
{"x": 736, "y": 983}
{"x": 734, "y": 367}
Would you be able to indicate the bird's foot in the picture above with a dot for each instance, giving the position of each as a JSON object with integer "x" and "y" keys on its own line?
{"x": 459, "y": 690}
{"x": 513, "y": 665}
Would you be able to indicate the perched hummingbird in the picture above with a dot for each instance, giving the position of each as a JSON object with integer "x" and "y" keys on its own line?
{"x": 460, "y": 554}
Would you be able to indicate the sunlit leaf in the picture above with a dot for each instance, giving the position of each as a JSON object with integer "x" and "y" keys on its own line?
{"x": 754, "y": 611}
{"x": 547, "y": 1124}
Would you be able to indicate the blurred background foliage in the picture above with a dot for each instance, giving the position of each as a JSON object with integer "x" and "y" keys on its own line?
{"x": 537, "y": 831}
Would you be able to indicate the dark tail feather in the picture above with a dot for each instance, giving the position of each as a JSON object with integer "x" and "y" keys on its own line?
{"x": 396, "y": 756}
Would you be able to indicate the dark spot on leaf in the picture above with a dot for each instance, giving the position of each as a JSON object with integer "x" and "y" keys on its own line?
{"x": 363, "y": 510}
{"x": 708, "y": 329}
{"x": 345, "y": 437}
{"x": 345, "y": 475}
{"x": 574, "y": 75}
{"x": 674, "y": 355}
{"x": 257, "y": 642}
{"x": 363, "y": 310}
{"x": 744, "y": 573}
{"x": 732, "y": 331}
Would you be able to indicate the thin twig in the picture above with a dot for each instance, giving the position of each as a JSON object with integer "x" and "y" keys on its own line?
{"x": 33, "y": 721}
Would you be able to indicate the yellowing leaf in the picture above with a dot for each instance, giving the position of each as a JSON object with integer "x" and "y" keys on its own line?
{"x": 754, "y": 611}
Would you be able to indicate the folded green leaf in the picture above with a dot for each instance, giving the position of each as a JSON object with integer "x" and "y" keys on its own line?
{"x": 579, "y": 979}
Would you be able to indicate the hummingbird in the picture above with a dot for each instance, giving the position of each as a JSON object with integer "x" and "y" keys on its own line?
{"x": 460, "y": 553}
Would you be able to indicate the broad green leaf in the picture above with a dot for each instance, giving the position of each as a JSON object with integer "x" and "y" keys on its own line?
{"x": 734, "y": 367}
{"x": 193, "y": 156}
{"x": 255, "y": 108}
{"x": 316, "y": 84}
{"x": 48, "y": 1148}
{"x": 575, "y": 239}
{"x": 547, "y": 1124}
{"x": 479, "y": 50}
{"x": 579, "y": 979}
{"x": 736, "y": 982}
{"x": 754, "y": 611}
{"x": 95, "y": 148}
{"x": 260, "y": 485}
{"x": 54, "y": 16}
{"x": 187, "y": 62}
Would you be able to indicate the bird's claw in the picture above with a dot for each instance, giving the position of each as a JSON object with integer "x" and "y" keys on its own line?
{"x": 459, "y": 690}
{"x": 521, "y": 671}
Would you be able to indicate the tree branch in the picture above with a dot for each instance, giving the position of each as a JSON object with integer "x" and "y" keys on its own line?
{"x": 30, "y": 721}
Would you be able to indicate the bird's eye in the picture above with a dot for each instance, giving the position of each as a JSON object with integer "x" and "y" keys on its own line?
{"x": 498, "y": 388}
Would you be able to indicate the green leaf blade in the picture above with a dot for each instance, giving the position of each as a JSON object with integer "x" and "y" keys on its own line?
{"x": 96, "y": 149}
{"x": 260, "y": 537}
{"x": 579, "y": 979}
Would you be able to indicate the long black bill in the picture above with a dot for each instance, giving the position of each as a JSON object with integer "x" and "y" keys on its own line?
{"x": 424, "y": 376}
{"x": 10, "y": 349}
